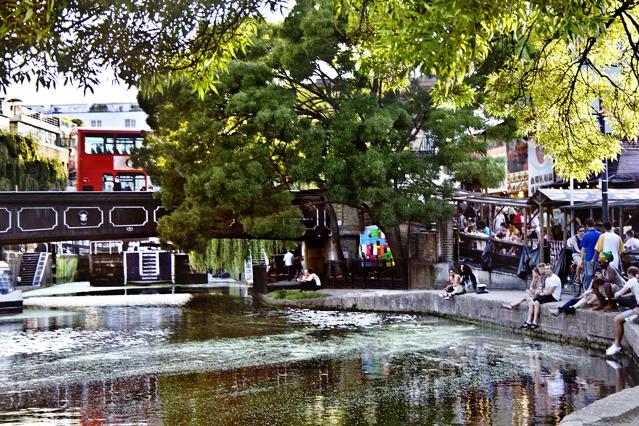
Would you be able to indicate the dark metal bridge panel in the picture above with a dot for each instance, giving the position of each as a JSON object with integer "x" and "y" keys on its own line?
{"x": 70, "y": 216}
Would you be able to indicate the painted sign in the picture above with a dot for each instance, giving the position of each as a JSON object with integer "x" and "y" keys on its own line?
{"x": 540, "y": 168}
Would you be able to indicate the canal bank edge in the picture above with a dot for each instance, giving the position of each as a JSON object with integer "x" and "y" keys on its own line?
{"x": 586, "y": 328}
{"x": 620, "y": 408}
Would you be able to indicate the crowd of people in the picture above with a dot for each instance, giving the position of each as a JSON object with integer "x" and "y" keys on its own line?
{"x": 507, "y": 223}
{"x": 608, "y": 287}
{"x": 507, "y": 226}
{"x": 595, "y": 251}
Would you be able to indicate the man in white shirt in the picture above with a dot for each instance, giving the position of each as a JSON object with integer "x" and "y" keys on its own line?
{"x": 632, "y": 285}
{"x": 288, "y": 262}
{"x": 551, "y": 293}
{"x": 609, "y": 241}
{"x": 631, "y": 244}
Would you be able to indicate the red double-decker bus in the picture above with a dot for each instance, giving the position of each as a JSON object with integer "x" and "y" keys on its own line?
{"x": 103, "y": 163}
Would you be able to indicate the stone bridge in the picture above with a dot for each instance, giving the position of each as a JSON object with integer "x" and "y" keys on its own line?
{"x": 27, "y": 217}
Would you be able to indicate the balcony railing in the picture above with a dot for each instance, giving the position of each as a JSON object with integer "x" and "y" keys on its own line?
{"x": 53, "y": 121}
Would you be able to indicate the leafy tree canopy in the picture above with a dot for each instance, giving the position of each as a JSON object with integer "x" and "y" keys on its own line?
{"x": 296, "y": 111}
{"x": 161, "y": 40}
{"x": 565, "y": 56}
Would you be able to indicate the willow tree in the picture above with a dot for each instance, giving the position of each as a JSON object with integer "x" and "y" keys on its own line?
{"x": 566, "y": 56}
{"x": 295, "y": 111}
{"x": 23, "y": 167}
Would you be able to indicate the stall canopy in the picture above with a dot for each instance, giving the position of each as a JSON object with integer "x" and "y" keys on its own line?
{"x": 481, "y": 198}
{"x": 583, "y": 198}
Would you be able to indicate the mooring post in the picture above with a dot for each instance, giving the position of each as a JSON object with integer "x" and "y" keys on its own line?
{"x": 259, "y": 279}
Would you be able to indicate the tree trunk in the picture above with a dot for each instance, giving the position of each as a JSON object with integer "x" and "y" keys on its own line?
{"x": 398, "y": 244}
{"x": 341, "y": 266}
{"x": 332, "y": 216}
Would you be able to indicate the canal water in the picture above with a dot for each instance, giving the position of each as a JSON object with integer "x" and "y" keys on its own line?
{"x": 222, "y": 360}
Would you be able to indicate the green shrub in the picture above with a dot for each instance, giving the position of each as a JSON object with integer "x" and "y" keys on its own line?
{"x": 66, "y": 268}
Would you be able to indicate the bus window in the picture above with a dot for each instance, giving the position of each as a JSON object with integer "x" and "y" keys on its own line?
{"x": 124, "y": 144}
{"x": 140, "y": 183}
{"x": 132, "y": 181}
{"x": 108, "y": 145}
{"x": 93, "y": 144}
{"x": 107, "y": 182}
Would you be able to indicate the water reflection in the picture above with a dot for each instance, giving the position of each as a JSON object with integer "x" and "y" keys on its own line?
{"x": 222, "y": 360}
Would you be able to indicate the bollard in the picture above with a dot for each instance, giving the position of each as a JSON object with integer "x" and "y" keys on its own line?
{"x": 259, "y": 279}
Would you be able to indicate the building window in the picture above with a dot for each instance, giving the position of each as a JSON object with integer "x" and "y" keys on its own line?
{"x": 96, "y": 123}
{"x": 129, "y": 123}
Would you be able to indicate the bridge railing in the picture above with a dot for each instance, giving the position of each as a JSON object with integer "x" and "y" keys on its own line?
{"x": 362, "y": 273}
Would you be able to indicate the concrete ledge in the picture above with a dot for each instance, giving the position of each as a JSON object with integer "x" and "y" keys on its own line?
{"x": 620, "y": 408}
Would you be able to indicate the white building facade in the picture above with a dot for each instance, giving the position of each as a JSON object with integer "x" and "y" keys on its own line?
{"x": 50, "y": 133}
{"x": 116, "y": 115}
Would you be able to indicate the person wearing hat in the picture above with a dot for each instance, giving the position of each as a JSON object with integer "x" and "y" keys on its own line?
{"x": 611, "y": 282}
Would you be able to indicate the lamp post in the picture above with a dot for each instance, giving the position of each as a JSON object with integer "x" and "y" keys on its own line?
{"x": 604, "y": 173}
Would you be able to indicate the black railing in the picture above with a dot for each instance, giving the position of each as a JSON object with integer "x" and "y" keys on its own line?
{"x": 505, "y": 254}
{"x": 360, "y": 273}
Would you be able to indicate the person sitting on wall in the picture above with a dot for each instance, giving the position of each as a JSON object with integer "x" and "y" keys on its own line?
{"x": 551, "y": 293}
{"x": 612, "y": 282}
{"x": 454, "y": 279}
{"x": 458, "y": 289}
{"x": 629, "y": 315}
{"x": 535, "y": 289}
{"x": 310, "y": 280}
{"x": 587, "y": 299}
{"x": 468, "y": 277}
{"x": 632, "y": 285}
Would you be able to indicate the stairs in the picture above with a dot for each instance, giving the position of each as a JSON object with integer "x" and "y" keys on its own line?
{"x": 150, "y": 265}
{"x": 32, "y": 268}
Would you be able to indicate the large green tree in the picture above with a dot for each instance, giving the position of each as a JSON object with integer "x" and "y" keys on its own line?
{"x": 296, "y": 111}
{"x": 566, "y": 56}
